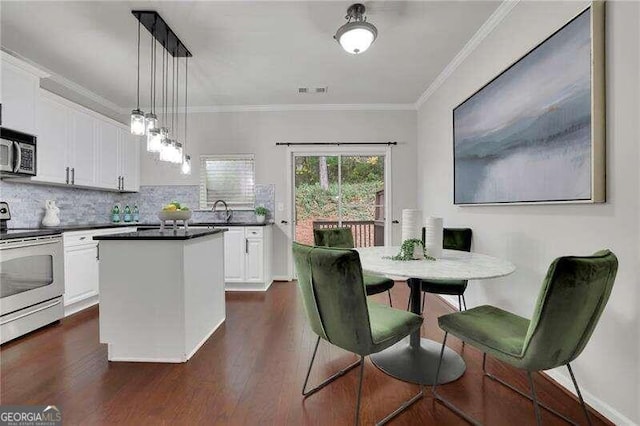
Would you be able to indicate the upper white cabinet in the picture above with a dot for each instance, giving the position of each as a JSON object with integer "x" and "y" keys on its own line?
{"x": 129, "y": 162}
{"x": 77, "y": 146}
{"x": 20, "y": 85}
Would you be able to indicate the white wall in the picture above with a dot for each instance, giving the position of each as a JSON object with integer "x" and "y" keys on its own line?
{"x": 257, "y": 133}
{"x": 532, "y": 236}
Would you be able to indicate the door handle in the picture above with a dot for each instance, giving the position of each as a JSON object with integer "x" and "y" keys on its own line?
{"x": 73, "y": 176}
{"x": 284, "y": 222}
{"x": 395, "y": 221}
{"x": 16, "y": 168}
{"x": 67, "y": 179}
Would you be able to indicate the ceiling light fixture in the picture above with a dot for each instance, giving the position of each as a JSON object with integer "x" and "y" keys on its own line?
{"x": 357, "y": 34}
{"x": 137, "y": 116}
{"x": 162, "y": 138}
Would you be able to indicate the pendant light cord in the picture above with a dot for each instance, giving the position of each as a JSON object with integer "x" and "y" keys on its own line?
{"x": 186, "y": 86}
{"x": 153, "y": 105}
{"x": 151, "y": 70}
{"x": 177, "y": 96}
{"x": 138, "y": 85}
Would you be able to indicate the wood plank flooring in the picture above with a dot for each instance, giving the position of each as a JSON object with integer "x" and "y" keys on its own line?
{"x": 250, "y": 372}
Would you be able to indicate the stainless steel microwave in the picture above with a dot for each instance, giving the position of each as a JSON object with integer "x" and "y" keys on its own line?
{"x": 17, "y": 153}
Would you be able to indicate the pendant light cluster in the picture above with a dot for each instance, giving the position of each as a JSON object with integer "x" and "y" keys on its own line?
{"x": 162, "y": 134}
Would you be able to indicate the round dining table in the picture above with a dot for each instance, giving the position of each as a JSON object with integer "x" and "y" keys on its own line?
{"x": 415, "y": 359}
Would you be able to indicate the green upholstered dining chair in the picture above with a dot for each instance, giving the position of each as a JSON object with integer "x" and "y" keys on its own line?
{"x": 343, "y": 238}
{"x": 573, "y": 296}
{"x": 336, "y": 306}
{"x": 452, "y": 239}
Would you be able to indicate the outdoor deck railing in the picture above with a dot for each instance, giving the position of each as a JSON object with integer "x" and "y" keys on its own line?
{"x": 366, "y": 233}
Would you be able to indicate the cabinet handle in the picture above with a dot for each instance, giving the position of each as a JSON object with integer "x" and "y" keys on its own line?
{"x": 395, "y": 221}
{"x": 122, "y": 183}
{"x": 73, "y": 176}
{"x": 246, "y": 245}
{"x": 67, "y": 179}
{"x": 83, "y": 238}
{"x": 119, "y": 182}
{"x": 284, "y": 222}
{"x": 98, "y": 251}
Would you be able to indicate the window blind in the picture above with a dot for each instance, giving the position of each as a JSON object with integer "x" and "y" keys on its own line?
{"x": 228, "y": 178}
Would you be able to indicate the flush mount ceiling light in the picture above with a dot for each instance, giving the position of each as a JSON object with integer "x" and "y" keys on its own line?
{"x": 357, "y": 34}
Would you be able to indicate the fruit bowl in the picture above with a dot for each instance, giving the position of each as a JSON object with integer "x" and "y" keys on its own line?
{"x": 174, "y": 215}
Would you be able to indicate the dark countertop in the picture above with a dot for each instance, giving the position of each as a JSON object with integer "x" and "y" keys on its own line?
{"x": 27, "y": 233}
{"x": 156, "y": 234}
{"x": 90, "y": 226}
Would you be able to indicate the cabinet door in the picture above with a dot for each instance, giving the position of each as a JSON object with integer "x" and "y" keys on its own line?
{"x": 83, "y": 148}
{"x": 130, "y": 160}
{"x": 81, "y": 273}
{"x": 19, "y": 95}
{"x": 53, "y": 121}
{"x": 254, "y": 267}
{"x": 108, "y": 158}
{"x": 234, "y": 254}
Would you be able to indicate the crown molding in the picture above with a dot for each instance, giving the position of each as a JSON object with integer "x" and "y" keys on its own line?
{"x": 489, "y": 25}
{"x": 12, "y": 58}
{"x": 292, "y": 107}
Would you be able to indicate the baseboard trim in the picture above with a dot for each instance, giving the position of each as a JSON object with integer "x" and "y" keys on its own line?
{"x": 204, "y": 340}
{"x": 81, "y": 305}
{"x": 599, "y": 407}
{"x": 247, "y": 286}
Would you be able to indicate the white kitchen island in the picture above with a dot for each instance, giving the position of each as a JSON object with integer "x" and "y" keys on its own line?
{"x": 161, "y": 293}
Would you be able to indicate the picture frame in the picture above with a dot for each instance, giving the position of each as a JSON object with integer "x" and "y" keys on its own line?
{"x": 535, "y": 133}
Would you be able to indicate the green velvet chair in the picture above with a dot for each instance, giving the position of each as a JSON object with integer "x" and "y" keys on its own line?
{"x": 573, "y": 296}
{"x": 452, "y": 239}
{"x": 336, "y": 306}
{"x": 343, "y": 238}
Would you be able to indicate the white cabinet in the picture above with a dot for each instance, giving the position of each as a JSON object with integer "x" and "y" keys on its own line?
{"x": 77, "y": 146}
{"x": 83, "y": 150}
{"x": 247, "y": 258}
{"x": 53, "y": 124}
{"x": 81, "y": 267}
{"x": 129, "y": 161}
{"x": 108, "y": 155}
{"x": 20, "y": 83}
{"x": 234, "y": 254}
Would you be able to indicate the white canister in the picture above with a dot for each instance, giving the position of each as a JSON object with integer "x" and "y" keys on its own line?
{"x": 433, "y": 236}
{"x": 411, "y": 224}
{"x": 51, "y": 214}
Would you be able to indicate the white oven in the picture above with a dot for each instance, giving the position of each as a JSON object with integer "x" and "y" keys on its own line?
{"x": 31, "y": 284}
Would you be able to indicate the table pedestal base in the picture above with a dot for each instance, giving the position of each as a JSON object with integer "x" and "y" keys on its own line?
{"x": 418, "y": 364}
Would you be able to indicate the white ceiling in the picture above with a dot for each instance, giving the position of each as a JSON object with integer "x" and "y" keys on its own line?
{"x": 248, "y": 52}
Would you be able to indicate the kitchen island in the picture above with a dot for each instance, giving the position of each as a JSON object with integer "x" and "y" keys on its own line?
{"x": 161, "y": 293}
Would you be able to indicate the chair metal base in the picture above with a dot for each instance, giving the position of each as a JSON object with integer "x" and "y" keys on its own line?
{"x": 417, "y": 364}
{"x": 536, "y": 404}
{"x": 341, "y": 373}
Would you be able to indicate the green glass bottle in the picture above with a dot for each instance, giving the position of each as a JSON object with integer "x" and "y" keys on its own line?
{"x": 127, "y": 214}
{"x": 115, "y": 214}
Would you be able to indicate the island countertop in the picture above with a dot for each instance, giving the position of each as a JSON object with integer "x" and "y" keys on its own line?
{"x": 156, "y": 234}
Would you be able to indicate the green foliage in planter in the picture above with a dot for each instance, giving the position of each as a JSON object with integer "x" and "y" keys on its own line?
{"x": 406, "y": 250}
{"x": 261, "y": 211}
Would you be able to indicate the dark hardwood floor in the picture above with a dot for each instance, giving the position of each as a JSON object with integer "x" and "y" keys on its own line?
{"x": 250, "y": 372}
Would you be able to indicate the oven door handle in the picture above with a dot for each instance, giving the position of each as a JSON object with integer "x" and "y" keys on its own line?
{"x": 16, "y": 166}
{"x": 41, "y": 308}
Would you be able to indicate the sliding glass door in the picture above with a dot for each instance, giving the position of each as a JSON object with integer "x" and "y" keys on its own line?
{"x": 343, "y": 190}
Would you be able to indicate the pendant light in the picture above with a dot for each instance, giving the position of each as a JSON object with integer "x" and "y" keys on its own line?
{"x": 137, "y": 116}
{"x": 186, "y": 161}
{"x": 150, "y": 119}
{"x": 357, "y": 34}
{"x": 154, "y": 137}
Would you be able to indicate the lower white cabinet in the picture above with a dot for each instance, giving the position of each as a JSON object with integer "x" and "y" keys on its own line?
{"x": 81, "y": 267}
{"x": 247, "y": 258}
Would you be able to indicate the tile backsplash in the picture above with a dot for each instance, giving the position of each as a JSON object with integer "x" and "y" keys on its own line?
{"x": 87, "y": 206}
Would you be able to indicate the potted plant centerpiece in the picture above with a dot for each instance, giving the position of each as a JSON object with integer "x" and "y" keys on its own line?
{"x": 261, "y": 214}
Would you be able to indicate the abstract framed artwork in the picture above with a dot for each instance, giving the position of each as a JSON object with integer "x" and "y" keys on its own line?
{"x": 536, "y": 132}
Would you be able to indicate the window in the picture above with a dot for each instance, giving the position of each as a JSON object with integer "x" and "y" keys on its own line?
{"x": 227, "y": 177}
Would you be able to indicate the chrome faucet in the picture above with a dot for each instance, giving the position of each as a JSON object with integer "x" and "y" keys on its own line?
{"x": 227, "y": 213}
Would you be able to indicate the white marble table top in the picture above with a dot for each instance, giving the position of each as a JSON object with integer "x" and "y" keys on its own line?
{"x": 453, "y": 265}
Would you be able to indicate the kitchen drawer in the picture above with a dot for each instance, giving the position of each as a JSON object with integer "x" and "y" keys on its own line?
{"x": 72, "y": 239}
{"x": 254, "y": 232}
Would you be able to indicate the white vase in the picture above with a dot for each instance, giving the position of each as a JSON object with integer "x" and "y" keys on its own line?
{"x": 433, "y": 236}
{"x": 418, "y": 252}
{"x": 411, "y": 224}
{"x": 51, "y": 214}
{"x": 260, "y": 218}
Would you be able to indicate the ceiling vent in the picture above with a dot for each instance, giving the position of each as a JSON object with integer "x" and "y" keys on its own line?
{"x": 312, "y": 90}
